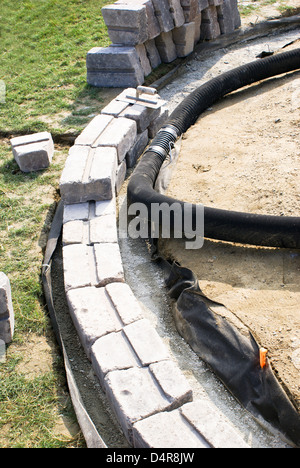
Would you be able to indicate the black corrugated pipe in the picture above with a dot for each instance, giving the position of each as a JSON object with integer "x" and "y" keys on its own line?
{"x": 231, "y": 226}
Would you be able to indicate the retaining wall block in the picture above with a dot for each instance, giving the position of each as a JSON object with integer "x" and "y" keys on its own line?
{"x": 93, "y": 130}
{"x": 114, "y": 67}
{"x": 177, "y": 13}
{"x": 142, "y": 115}
{"x": 197, "y": 22}
{"x": 93, "y": 315}
{"x": 125, "y": 302}
{"x": 166, "y": 47}
{"x": 89, "y": 174}
{"x": 7, "y": 318}
{"x": 184, "y": 39}
{"x": 153, "y": 28}
{"x": 76, "y": 211}
{"x": 137, "y": 149}
{"x": 191, "y": 9}
{"x": 210, "y": 28}
{"x": 228, "y": 16}
{"x": 145, "y": 63}
{"x": 127, "y": 24}
{"x": 33, "y": 152}
{"x": 109, "y": 266}
{"x": 163, "y": 14}
{"x": 119, "y": 134}
{"x": 152, "y": 53}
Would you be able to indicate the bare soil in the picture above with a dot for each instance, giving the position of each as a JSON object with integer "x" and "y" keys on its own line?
{"x": 243, "y": 155}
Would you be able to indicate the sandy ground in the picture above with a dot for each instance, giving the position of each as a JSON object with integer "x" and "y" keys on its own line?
{"x": 243, "y": 154}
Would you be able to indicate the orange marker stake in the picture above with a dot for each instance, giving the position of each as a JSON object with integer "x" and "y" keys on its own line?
{"x": 263, "y": 357}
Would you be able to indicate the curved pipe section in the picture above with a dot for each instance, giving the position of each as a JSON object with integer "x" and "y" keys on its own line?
{"x": 231, "y": 226}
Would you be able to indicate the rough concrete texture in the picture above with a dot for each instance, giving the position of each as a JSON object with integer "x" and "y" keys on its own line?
{"x": 33, "y": 152}
{"x": 7, "y": 320}
{"x": 184, "y": 39}
{"x": 166, "y": 47}
{"x": 127, "y": 24}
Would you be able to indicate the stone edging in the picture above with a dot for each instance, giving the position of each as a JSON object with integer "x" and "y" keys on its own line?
{"x": 149, "y": 394}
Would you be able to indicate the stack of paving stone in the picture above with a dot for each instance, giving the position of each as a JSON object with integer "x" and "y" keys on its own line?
{"x": 145, "y": 33}
{"x": 150, "y": 395}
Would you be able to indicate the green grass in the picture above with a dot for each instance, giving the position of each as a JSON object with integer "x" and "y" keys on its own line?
{"x": 43, "y": 50}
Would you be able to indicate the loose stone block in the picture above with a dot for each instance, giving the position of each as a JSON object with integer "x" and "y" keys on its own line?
{"x": 108, "y": 263}
{"x": 76, "y": 211}
{"x": 152, "y": 53}
{"x": 114, "y": 67}
{"x": 141, "y": 51}
{"x": 112, "y": 352}
{"x": 166, "y": 430}
{"x": 173, "y": 382}
{"x": 137, "y": 149}
{"x": 93, "y": 130}
{"x": 133, "y": 395}
{"x": 184, "y": 39}
{"x": 125, "y": 302}
{"x": 79, "y": 266}
{"x": 146, "y": 342}
{"x": 89, "y": 174}
{"x": 7, "y": 318}
{"x": 103, "y": 229}
{"x": 210, "y": 28}
{"x": 120, "y": 134}
{"x": 212, "y": 425}
{"x": 166, "y": 47}
{"x": 93, "y": 315}
{"x": 127, "y": 24}
{"x": 33, "y": 152}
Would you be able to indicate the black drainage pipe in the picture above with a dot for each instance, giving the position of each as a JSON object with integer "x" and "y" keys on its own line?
{"x": 231, "y": 226}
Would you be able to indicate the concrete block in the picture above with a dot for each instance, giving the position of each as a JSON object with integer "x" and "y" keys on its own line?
{"x": 167, "y": 430}
{"x": 173, "y": 382}
{"x": 79, "y": 266}
{"x": 114, "y": 67}
{"x": 142, "y": 115}
{"x": 109, "y": 266}
{"x": 133, "y": 395}
{"x": 75, "y": 232}
{"x": 127, "y": 24}
{"x": 93, "y": 130}
{"x": 184, "y": 39}
{"x": 212, "y": 425}
{"x": 210, "y": 28}
{"x": 203, "y": 4}
{"x": 76, "y": 211}
{"x": 107, "y": 207}
{"x": 103, "y": 229}
{"x": 197, "y": 22}
{"x": 153, "y": 28}
{"x": 93, "y": 315}
{"x": 120, "y": 134}
{"x": 89, "y": 174}
{"x": 146, "y": 342}
{"x": 7, "y": 318}
{"x": 146, "y": 66}
{"x": 112, "y": 352}
{"x": 157, "y": 123}
{"x": 125, "y": 302}
{"x": 166, "y": 47}
{"x": 33, "y": 152}
{"x": 137, "y": 149}
{"x": 215, "y": 2}
{"x": 228, "y": 16}
{"x": 120, "y": 176}
{"x": 190, "y": 9}
{"x": 163, "y": 14}
{"x": 152, "y": 53}
{"x": 177, "y": 13}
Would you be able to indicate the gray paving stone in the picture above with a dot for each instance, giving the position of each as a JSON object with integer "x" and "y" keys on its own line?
{"x": 103, "y": 229}
{"x": 166, "y": 47}
{"x": 75, "y": 232}
{"x": 79, "y": 266}
{"x": 109, "y": 266}
{"x": 120, "y": 176}
{"x": 120, "y": 134}
{"x": 184, "y": 39}
{"x": 157, "y": 123}
{"x": 125, "y": 302}
{"x": 163, "y": 14}
{"x": 212, "y": 425}
{"x": 203, "y": 4}
{"x": 76, "y": 211}
{"x": 191, "y": 9}
{"x": 153, "y": 28}
{"x": 177, "y": 13}
{"x": 33, "y": 152}
{"x": 197, "y": 22}
{"x": 129, "y": 393}
{"x": 114, "y": 67}
{"x": 7, "y": 318}
{"x": 127, "y": 24}
{"x": 228, "y": 16}
{"x": 168, "y": 430}
{"x": 141, "y": 51}
{"x": 210, "y": 28}
{"x": 112, "y": 352}
{"x": 107, "y": 207}
{"x": 146, "y": 342}
{"x": 93, "y": 130}
{"x": 137, "y": 149}
{"x": 142, "y": 115}
{"x": 173, "y": 382}
{"x": 93, "y": 315}
{"x": 114, "y": 108}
